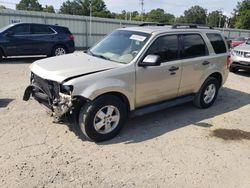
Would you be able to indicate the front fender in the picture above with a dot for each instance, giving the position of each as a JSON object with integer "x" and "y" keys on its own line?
{"x": 94, "y": 90}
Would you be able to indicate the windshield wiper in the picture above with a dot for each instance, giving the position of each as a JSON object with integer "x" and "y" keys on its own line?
{"x": 96, "y": 55}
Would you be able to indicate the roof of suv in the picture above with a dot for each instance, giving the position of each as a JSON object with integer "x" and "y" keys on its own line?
{"x": 38, "y": 24}
{"x": 163, "y": 29}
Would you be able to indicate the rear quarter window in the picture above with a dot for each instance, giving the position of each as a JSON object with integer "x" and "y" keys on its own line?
{"x": 63, "y": 30}
{"x": 217, "y": 43}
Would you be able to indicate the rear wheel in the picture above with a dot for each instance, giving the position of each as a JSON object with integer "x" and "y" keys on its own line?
{"x": 59, "y": 50}
{"x": 233, "y": 69}
{"x": 207, "y": 94}
{"x": 103, "y": 118}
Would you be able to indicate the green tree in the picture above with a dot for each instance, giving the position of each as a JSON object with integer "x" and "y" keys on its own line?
{"x": 72, "y": 7}
{"x": 30, "y": 5}
{"x": 241, "y": 14}
{"x": 82, "y": 7}
{"x": 243, "y": 21}
{"x": 180, "y": 19}
{"x": 2, "y": 7}
{"x": 196, "y": 15}
{"x": 216, "y": 19}
{"x": 49, "y": 8}
{"x": 159, "y": 15}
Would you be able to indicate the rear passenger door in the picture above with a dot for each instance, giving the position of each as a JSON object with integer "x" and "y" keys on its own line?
{"x": 42, "y": 37}
{"x": 194, "y": 55}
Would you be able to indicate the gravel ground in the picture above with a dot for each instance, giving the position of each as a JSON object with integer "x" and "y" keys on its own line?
{"x": 178, "y": 147}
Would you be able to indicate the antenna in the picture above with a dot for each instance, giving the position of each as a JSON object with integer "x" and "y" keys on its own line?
{"x": 142, "y": 8}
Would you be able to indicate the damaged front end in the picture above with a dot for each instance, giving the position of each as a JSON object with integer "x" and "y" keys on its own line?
{"x": 57, "y": 97}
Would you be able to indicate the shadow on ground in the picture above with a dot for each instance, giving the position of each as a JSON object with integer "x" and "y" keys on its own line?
{"x": 156, "y": 124}
{"x": 20, "y": 60}
{"x": 5, "y": 102}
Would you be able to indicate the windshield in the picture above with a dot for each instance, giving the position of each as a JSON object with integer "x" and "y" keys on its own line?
{"x": 120, "y": 46}
{"x": 4, "y": 28}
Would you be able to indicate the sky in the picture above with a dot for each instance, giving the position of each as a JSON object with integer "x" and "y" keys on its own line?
{"x": 176, "y": 7}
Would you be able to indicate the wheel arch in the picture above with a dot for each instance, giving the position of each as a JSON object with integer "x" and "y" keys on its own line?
{"x": 59, "y": 44}
{"x": 119, "y": 95}
{"x": 217, "y": 76}
{"x": 2, "y": 51}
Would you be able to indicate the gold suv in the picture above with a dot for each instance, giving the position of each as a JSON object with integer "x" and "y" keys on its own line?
{"x": 131, "y": 72}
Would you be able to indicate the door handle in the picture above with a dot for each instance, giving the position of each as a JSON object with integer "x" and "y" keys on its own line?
{"x": 206, "y": 63}
{"x": 172, "y": 69}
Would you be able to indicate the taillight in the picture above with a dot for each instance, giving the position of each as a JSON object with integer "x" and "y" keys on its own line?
{"x": 71, "y": 37}
{"x": 229, "y": 61}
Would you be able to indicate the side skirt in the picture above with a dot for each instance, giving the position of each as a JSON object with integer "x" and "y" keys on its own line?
{"x": 161, "y": 106}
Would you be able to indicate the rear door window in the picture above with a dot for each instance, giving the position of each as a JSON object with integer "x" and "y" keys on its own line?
{"x": 217, "y": 43}
{"x": 41, "y": 29}
{"x": 167, "y": 47}
{"x": 193, "y": 46}
{"x": 23, "y": 29}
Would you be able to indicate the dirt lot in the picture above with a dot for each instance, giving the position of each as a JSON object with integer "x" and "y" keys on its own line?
{"x": 178, "y": 147}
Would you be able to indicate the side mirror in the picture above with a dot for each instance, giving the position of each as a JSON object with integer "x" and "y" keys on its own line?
{"x": 151, "y": 60}
{"x": 9, "y": 33}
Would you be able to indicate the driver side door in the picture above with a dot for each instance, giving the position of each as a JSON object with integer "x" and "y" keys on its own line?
{"x": 158, "y": 83}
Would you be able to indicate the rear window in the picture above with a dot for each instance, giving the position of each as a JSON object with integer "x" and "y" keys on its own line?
{"x": 64, "y": 30}
{"x": 41, "y": 29}
{"x": 217, "y": 43}
{"x": 193, "y": 46}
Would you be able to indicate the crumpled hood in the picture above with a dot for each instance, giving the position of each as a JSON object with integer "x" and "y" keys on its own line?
{"x": 64, "y": 67}
{"x": 243, "y": 47}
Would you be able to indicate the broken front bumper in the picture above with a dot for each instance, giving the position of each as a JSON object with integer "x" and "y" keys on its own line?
{"x": 59, "y": 106}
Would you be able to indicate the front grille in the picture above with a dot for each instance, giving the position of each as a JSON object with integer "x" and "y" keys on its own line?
{"x": 48, "y": 87}
{"x": 242, "y": 54}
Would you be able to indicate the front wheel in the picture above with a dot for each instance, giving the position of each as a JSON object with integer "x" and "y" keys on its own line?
{"x": 1, "y": 55}
{"x": 103, "y": 118}
{"x": 207, "y": 94}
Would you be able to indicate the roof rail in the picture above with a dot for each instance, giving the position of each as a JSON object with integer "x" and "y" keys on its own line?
{"x": 151, "y": 24}
{"x": 191, "y": 26}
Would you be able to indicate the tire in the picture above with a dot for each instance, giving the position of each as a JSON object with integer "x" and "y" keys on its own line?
{"x": 233, "y": 69}
{"x": 203, "y": 100}
{"x": 95, "y": 122}
{"x": 59, "y": 50}
{"x": 1, "y": 55}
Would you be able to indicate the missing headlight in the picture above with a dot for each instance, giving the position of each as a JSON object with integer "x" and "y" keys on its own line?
{"x": 66, "y": 89}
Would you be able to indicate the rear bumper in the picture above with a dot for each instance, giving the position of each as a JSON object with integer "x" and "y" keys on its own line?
{"x": 71, "y": 46}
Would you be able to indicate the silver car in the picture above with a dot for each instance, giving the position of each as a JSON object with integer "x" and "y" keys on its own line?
{"x": 241, "y": 57}
{"x": 131, "y": 72}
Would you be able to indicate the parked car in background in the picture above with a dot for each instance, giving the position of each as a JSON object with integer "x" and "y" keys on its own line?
{"x": 132, "y": 71}
{"x": 35, "y": 39}
{"x": 240, "y": 56}
{"x": 238, "y": 41}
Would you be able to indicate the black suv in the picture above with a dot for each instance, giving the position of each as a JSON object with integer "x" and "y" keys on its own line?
{"x": 35, "y": 39}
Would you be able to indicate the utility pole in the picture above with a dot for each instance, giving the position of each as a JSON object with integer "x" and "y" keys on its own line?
{"x": 142, "y": 8}
{"x": 220, "y": 17}
{"x": 90, "y": 21}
